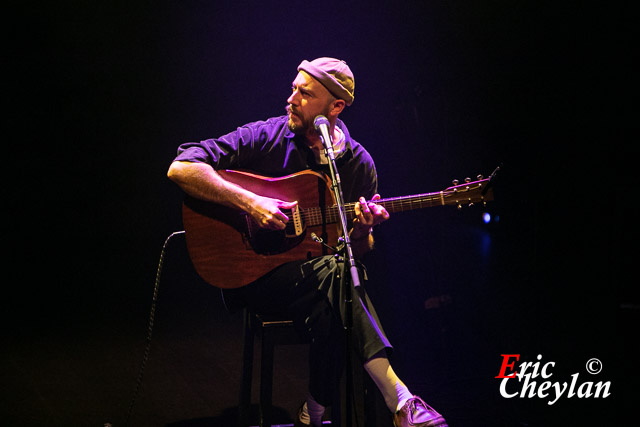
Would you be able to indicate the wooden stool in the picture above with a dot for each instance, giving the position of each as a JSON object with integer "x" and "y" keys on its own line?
{"x": 273, "y": 331}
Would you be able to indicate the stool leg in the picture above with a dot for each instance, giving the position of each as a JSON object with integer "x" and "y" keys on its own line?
{"x": 266, "y": 379}
{"x": 247, "y": 372}
{"x": 336, "y": 406}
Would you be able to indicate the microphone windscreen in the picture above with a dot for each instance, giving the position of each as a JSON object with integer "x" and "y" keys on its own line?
{"x": 319, "y": 121}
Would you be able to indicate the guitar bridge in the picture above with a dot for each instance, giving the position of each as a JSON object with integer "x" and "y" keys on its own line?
{"x": 298, "y": 227}
{"x": 295, "y": 226}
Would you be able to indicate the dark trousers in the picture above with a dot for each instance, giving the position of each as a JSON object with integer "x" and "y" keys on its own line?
{"x": 310, "y": 293}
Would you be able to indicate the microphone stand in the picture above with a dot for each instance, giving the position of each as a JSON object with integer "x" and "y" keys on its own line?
{"x": 348, "y": 258}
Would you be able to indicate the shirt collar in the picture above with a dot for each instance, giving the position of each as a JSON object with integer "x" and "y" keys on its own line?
{"x": 339, "y": 123}
{"x": 339, "y": 148}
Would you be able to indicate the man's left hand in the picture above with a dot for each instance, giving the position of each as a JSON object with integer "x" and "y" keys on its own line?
{"x": 368, "y": 214}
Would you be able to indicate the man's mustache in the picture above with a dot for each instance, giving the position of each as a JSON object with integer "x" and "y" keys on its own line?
{"x": 290, "y": 109}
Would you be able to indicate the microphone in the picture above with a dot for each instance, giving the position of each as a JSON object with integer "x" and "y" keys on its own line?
{"x": 322, "y": 126}
{"x": 321, "y": 123}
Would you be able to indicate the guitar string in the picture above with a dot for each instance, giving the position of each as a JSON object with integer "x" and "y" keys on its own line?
{"x": 314, "y": 215}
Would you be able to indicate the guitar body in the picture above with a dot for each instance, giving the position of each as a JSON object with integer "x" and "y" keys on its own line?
{"x": 229, "y": 250}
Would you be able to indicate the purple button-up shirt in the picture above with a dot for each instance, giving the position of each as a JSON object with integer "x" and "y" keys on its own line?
{"x": 270, "y": 148}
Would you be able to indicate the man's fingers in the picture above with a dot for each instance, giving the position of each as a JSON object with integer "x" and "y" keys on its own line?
{"x": 364, "y": 206}
{"x": 277, "y": 219}
{"x": 370, "y": 213}
{"x": 363, "y": 203}
{"x": 280, "y": 217}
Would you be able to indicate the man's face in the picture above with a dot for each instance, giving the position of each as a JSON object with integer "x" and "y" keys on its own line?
{"x": 308, "y": 100}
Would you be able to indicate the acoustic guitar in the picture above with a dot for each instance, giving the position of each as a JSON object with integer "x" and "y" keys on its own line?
{"x": 229, "y": 250}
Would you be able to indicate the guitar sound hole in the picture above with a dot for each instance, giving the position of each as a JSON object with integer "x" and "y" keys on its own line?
{"x": 272, "y": 242}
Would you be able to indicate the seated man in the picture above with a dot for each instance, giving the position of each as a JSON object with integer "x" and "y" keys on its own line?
{"x": 308, "y": 290}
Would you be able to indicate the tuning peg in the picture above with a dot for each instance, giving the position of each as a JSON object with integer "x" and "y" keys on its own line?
{"x": 455, "y": 182}
{"x": 479, "y": 177}
{"x": 467, "y": 180}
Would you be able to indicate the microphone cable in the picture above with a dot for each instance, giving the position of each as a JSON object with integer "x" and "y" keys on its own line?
{"x": 152, "y": 314}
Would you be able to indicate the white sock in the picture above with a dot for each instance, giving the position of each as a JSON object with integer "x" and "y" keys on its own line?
{"x": 304, "y": 414}
{"x": 312, "y": 412}
{"x": 394, "y": 391}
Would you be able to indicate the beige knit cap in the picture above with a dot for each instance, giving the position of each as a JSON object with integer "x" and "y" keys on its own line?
{"x": 334, "y": 74}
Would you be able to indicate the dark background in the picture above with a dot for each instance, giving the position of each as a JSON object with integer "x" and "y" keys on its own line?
{"x": 101, "y": 95}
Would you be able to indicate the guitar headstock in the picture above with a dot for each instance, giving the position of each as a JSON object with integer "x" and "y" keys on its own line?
{"x": 469, "y": 192}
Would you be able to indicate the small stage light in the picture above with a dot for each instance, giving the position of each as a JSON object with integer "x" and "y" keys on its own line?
{"x": 486, "y": 217}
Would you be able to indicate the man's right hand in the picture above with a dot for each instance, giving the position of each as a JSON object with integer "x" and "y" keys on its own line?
{"x": 267, "y": 212}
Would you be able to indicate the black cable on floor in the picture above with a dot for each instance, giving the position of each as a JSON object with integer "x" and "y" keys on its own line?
{"x": 152, "y": 313}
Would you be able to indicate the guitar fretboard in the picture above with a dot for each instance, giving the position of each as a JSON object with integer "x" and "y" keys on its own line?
{"x": 313, "y": 216}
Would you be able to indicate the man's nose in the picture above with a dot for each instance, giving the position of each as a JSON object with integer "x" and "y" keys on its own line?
{"x": 293, "y": 98}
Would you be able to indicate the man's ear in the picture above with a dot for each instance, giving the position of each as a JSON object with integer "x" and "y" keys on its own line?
{"x": 336, "y": 107}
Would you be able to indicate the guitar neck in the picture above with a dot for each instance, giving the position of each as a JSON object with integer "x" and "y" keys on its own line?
{"x": 313, "y": 216}
{"x": 458, "y": 195}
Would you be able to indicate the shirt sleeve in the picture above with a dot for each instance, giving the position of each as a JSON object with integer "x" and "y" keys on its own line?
{"x": 364, "y": 176}
{"x": 226, "y": 152}
{"x": 258, "y": 146}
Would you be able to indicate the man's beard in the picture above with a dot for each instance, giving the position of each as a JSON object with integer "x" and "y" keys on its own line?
{"x": 305, "y": 126}
{"x": 293, "y": 127}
